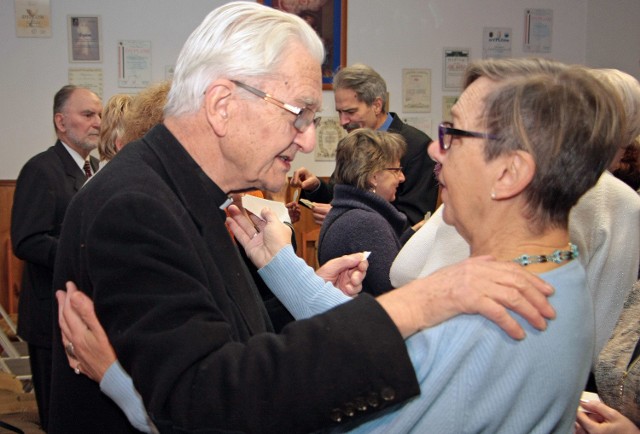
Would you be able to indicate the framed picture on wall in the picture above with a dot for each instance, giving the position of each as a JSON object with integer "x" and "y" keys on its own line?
{"x": 328, "y": 134}
{"x": 329, "y": 19}
{"x": 455, "y": 62}
{"x": 84, "y": 38}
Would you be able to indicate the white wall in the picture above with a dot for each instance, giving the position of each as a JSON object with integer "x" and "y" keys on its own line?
{"x": 388, "y": 35}
{"x": 613, "y": 35}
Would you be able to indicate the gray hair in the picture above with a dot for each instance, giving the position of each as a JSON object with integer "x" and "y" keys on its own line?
{"x": 502, "y": 69}
{"x": 364, "y": 81}
{"x": 237, "y": 40}
{"x": 571, "y": 124}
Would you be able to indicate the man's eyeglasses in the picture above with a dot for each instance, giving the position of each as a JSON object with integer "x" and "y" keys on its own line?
{"x": 304, "y": 116}
{"x": 446, "y": 133}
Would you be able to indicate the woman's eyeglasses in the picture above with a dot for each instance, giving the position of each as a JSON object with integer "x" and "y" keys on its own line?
{"x": 446, "y": 133}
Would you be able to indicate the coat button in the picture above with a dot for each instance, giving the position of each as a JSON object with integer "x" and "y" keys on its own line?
{"x": 388, "y": 394}
{"x": 373, "y": 400}
{"x": 336, "y": 415}
{"x": 361, "y": 404}
{"x": 349, "y": 409}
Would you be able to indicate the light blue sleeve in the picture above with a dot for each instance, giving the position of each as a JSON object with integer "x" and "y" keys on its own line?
{"x": 118, "y": 386}
{"x": 298, "y": 287}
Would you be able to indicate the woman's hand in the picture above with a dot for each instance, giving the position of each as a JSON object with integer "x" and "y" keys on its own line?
{"x": 85, "y": 341}
{"x": 261, "y": 238}
{"x": 346, "y": 273}
{"x": 320, "y": 211}
{"x": 602, "y": 419}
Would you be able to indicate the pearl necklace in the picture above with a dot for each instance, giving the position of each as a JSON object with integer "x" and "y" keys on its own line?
{"x": 557, "y": 257}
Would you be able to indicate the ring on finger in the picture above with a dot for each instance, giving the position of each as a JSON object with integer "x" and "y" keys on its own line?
{"x": 70, "y": 350}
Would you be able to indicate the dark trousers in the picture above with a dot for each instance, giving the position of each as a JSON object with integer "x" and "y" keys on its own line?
{"x": 40, "y": 361}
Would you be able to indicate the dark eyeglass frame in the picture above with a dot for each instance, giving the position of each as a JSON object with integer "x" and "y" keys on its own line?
{"x": 446, "y": 129}
{"x": 395, "y": 170}
{"x": 304, "y": 116}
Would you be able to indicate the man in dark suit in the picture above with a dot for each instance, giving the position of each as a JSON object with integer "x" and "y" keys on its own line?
{"x": 361, "y": 97}
{"x": 44, "y": 188}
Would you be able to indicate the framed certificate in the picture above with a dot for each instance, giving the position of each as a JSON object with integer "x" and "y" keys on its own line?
{"x": 33, "y": 18}
{"x": 455, "y": 64}
{"x": 328, "y": 134}
{"x": 416, "y": 90}
{"x": 84, "y": 38}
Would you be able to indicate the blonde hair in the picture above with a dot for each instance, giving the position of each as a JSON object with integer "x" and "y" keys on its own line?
{"x": 629, "y": 90}
{"x": 146, "y": 111}
{"x": 364, "y": 152}
{"x": 112, "y": 127}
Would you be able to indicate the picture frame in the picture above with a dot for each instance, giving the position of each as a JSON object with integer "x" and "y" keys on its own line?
{"x": 328, "y": 134}
{"x": 454, "y": 64}
{"x": 329, "y": 19}
{"x": 84, "y": 35}
{"x": 33, "y": 18}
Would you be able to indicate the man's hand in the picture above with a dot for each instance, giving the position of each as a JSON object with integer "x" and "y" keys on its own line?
{"x": 261, "y": 238}
{"x": 304, "y": 179}
{"x": 294, "y": 211}
{"x": 85, "y": 341}
{"x": 478, "y": 285}
{"x": 345, "y": 272}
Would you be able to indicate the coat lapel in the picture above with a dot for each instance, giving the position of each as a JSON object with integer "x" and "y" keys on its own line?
{"x": 202, "y": 199}
{"x": 75, "y": 175}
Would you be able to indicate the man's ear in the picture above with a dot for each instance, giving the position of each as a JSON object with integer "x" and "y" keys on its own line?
{"x": 58, "y": 119}
{"x": 516, "y": 171}
{"x": 216, "y": 105}
{"x": 377, "y": 106}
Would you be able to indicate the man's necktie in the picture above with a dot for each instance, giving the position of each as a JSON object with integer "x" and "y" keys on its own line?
{"x": 87, "y": 169}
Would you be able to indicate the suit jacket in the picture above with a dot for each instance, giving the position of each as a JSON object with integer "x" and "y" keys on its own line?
{"x": 44, "y": 188}
{"x": 418, "y": 194}
{"x": 187, "y": 322}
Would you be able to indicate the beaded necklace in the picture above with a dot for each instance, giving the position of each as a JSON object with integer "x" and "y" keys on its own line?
{"x": 557, "y": 257}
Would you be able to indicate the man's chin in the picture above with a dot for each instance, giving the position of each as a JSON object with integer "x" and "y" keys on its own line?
{"x": 89, "y": 146}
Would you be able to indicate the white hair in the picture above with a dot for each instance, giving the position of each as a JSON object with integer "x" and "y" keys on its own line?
{"x": 628, "y": 89}
{"x": 235, "y": 41}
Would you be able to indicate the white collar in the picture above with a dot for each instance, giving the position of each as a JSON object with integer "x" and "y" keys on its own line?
{"x": 76, "y": 157}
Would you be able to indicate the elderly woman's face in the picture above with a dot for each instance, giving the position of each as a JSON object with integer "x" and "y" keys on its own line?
{"x": 386, "y": 181}
{"x": 464, "y": 177}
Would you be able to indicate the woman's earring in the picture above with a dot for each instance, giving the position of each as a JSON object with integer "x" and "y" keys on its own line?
{"x": 493, "y": 195}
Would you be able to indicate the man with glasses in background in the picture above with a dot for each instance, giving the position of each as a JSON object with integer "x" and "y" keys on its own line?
{"x": 361, "y": 99}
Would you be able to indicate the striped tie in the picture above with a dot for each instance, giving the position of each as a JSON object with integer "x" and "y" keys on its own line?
{"x": 87, "y": 169}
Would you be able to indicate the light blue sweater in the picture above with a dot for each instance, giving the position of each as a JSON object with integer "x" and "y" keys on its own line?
{"x": 475, "y": 379}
